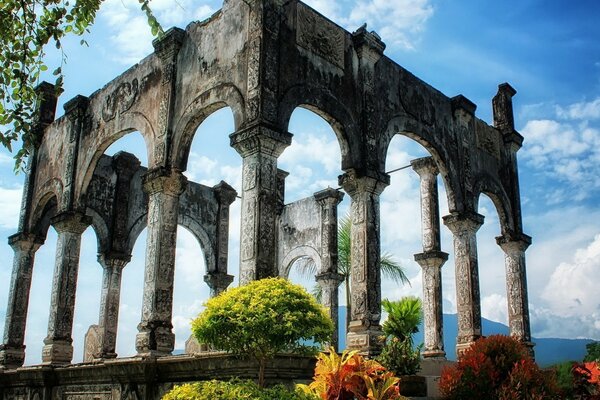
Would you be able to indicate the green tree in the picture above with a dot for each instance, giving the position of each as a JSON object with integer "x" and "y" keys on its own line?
{"x": 404, "y": 317}
{"x": 263, "y": 318}
{"x": 593, "y": 352}
{"x": 27, "y": 27}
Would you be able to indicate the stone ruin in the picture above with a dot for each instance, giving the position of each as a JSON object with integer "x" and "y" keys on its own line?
{"x": 263, "y": 59}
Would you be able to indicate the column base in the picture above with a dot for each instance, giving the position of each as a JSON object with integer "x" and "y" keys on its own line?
{"x": 441, "y": 354}
{"x": 57, "y": 352}
{"x": 368, "y": 341}
{"x": 12, "y": 357}
{"x": 104, "y": 356}
{"x": 462, "y": 347}
{"x": 159, "y": 341}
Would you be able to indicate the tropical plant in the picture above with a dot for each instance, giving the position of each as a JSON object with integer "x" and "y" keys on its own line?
{"x": 404, "y": 317}
{"x": 233, "y": 390}
{"x": 263, "y": 318}
{"x": 497, "y": 367}
{"x": 586, "y": 381}
{"x": 350, "y": 376}
{"x": 390, "y": 268}
{"x": 26, "y": 28}
{"x": 593, "y": 352}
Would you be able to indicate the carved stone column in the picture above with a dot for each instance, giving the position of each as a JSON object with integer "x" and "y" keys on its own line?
{"x": 364, "y": 330}
{"x": 58, "y": 347}
{"x": 431, "y": 259}
{"x": 328, "y": 278}
{"x": 113, "y": 265}
{"x": 516, "y": 286}
{"x": 12, "y": 351}
{"x": 464, "y": 227}
{"x": 225, "y": 195}
{"x": 155, "y": 335}
{"x": 259, "y": 146}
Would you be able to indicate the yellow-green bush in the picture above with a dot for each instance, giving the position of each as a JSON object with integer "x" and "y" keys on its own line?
{"x": 233, "y": 390}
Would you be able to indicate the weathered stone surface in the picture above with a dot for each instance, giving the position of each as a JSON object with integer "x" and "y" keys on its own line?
{"x": 263, "y": 59}
{"x": 92, "y": 344}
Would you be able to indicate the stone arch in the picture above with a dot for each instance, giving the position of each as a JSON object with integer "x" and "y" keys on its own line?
{"x": 101, "y": 230}
{"x": 327, "y": 107}
{"x": 127, "y": 123}
{"x": 225, "y": 95}
{"x": 136, "y": 229}
{"x": 485, "y": 184}
{"x": 407, "y": 126}
{"x": 203, "y": 239}
{"x": 46, "y": 206}
{"x": 295, "y": 254}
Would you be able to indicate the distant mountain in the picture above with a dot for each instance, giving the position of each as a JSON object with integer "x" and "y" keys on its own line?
{"x": 548, "y": 351}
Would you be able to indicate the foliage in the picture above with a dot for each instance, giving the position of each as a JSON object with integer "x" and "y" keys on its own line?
{"x": 27, "y": 27}
{"x": 497, "y": 367}
{"x": 593, "y": 352}
{"x": 349, "y": 376}
{"x": 586, "y": 381}
{"x": 233, "y": 390}
{"x": 390, "y": 268}
{"x": 399, "y": 357}
{"x": 404, "y": 317}
{"x": 263, "y": 318}
{"x": 564, "y": 378}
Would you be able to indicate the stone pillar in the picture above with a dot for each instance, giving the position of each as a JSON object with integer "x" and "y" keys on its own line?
{"x": 113, "y": 265}
{"x": 58, "y": 347}
{"x": 155, "y": 335}
{"x": 259, "y": 146}
{"x": 329, "y": 279}
{"x": 12, "y": 351}
{"x": 431, "y": 259}
{"x": 516, "y": 286}
{"x": 364, "y": 330}
{"x": 225, "y": 196}
{"x": 464, "y": 227}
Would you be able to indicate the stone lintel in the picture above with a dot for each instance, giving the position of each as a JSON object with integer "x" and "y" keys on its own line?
{"x": 164, "y": 180}
{"x": 368, "y": 44}
{"x": 225, "y": 193}
{"x": 460, "y": 102}
{"x": 354, "y": 181}
{"x": 168, "y": 45}
{"x": 424, "y": 166}
{"x": 260, "y": 138}
{"x": 431, "y": 258}
{"x": 329, "y": 195}
{"x": 459, "y": 222}
{"x": 71, "y": 221}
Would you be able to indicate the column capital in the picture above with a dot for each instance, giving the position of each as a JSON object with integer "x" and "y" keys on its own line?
{"x": 329, "y": 196}
{"x": 167, "y": 47}
{"x": 225, "y": 193}
{"x": 76, "y": 107}
{"x": 113, "y": 260}
{"x": 218, "y": 281}
{"x": 260, "y": 138}
{"x": 125, "y": 164}
{"x": 353, "y": 182}
{"x": 514, "y": 243}
{"x": 368, "y": 45}
{"x": 25, "y": 241}
{"x": 464, "y": 222}
{"x": 431, "y": 258}
{"x": 162, "y": 180}
{"x": 71, "y": 221}
{"x": 330, "y": 278}
{"x": 425, "y": 166}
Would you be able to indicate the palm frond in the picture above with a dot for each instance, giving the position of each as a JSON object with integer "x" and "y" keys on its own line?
{"x": 392, "y": 269}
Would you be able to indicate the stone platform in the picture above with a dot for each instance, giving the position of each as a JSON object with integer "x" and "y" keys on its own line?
{"x": 141, "y": 378}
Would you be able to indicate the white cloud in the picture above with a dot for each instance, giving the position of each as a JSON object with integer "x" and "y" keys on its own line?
{"x": 573, "y": 286}
{"x": 10, "y": 204}
{"x": 321, "y": 150}
{"x": 495, "y": 308}
{"x": 583, "y": 110}
{"x": 6, "y": 159}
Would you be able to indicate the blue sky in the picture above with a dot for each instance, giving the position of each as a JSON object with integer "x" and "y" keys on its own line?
{"x": 548, "y": 50}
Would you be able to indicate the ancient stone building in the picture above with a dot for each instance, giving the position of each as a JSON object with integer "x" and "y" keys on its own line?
{"x": 263, "y": 59}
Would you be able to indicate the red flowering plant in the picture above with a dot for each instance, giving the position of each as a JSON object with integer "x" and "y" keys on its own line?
{"x": 586, "y": 381}
{"x": 497, "y": 367}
